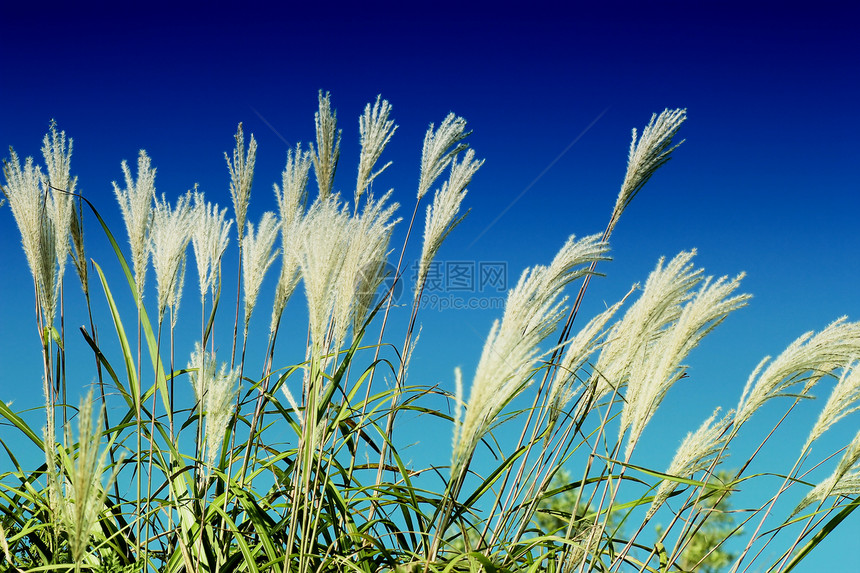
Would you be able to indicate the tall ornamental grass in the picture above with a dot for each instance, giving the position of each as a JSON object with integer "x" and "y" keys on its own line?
{"x": 196, "y": 463}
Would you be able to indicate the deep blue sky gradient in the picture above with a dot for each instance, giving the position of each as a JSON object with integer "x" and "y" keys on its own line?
{"x": 765, "y": 183}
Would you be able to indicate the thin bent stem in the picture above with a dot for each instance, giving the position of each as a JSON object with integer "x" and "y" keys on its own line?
{"x": 388, "y": 304}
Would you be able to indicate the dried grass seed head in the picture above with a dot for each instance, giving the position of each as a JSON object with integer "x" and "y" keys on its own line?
{"x": 646, "y": 155}
{"x": 845, "y": 479}
{"x": 57, "y": 152}
{"x": 376, "y": 130}
{"x": 291, "y": 198}
{"x": 171, "y": 231}
{"x": 695, "y": 454}
{"x": 844, "y": 399}
{"x": 661, "y": 365}
{"x": 215, "y": 390}
{"x": 135, "y": 202}
{"x": 567, "y": 384}
{"x": 444, "y": 214}
{"x": 327, "y": 152}
{"x": 320, "y": 246}
{"x": 511, "y": 353}
{"x": 210, "y": 237}
{"x": 85, "y": 495}
{"x": 241, "y": 170}
{"x": 42, "y": 206}
{"x": 257, "y": 257}
{"x": 805, "y": 361}
{"x": 364, "y": 260}
{"x": 32, "y": 208}
{"x": 659, "y": 305}
{"x": 440, "y": 147}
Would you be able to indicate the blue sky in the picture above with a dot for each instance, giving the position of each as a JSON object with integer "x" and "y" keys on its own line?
{"x": 765, "y": 183}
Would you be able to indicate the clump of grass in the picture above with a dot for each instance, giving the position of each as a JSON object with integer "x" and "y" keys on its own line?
{"x": 299, "y": 469}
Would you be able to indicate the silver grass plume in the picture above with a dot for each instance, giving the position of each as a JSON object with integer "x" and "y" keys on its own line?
{"x": 566, "y": 384}
{"x": 511, "y": 353}
{"x": 85, "y": 495}
{"x": 695, "y": 454}
{"x": 646, "y": 155}
{"x": 32, "y": 208}
{"x": 805, "y": 361}
{"x": 444, "y": 214}
{"x": 57, "y": 154}
{"x": 135, "y": 202}
{"x": 257, "y": 257}
{"x": 42, "y": 207}
{"x": 169, "y": 237}
{"x": 376, "y": 130}
{"x": 661, "y": 364}
{"x": 320, "y": 246}
{"x": 76, "y": 230}
{"x": 844, "y": 399}
{"x": 241, "y": 177}
{"x": 440, "y": 147}
{"x": 666, "y": 289}
{"x": 363, "y": 265}
{"x": 215, "y": 392}
{"x": 327, "y": 152}
{"x": 295, "y": 405}
{"x": 23, "y": 190}
{"x": 209, "y": 238}
{"x": 845, "y": 479}
{"x": 292, "y": 199}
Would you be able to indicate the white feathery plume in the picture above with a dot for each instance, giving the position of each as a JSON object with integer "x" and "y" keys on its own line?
{"x": 376, "y": 131}
{"x": 76, "y": 231}
{"x": 646, "y": 156}
{"x": 293, "y": 404}
{"x": 845, "y": 479}
{"x": 257, "y": 257}
{"x": 42, "y": 207}
{"x": 695, "y": 454}
{"x": 440, "y": 147}
{"x": 85, "y": 496}
{"x": 844, "y": 400}
{"x": 241, "y": 177}
{"x": 215, "y": 393}
{"x": 661, "y": 367}
{"x": 23, "y": 190}
{"x": 320, "y": 247}
{"x": 292, "y": 194}
{"x": 806, "y": 361}
{"x": 58, "y": 154}
{"x": 363, "y": 263}
{"x": 209, "y": 237}
{"x": 169, "y": 237}
{"x": 659, "y": 306}
{"x": 32, "y": 208}
{"x": 135, "y": 201}
{"x": 511, "y": 353}
{"x": 291, "y": 198}
{"x": 327, "y": 152}
{"x": 442, "y": 215}
{"x": 579, "y": 348}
